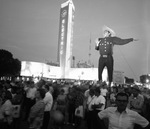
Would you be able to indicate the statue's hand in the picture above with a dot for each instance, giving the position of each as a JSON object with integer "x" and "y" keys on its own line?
{"x": 97, "y": 42}
{"x": 135, "y": 39}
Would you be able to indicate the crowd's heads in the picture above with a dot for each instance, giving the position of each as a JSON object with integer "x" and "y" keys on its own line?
{"x": 40, "y": 92}
{"x": 90, "y": 86}
{"x": 51, "y": 89}
{"x": 62, "y": 91}
{"x": 98, "y": 83}
{"x": 92, "y": 91}
{"x": 7, "y": 85}
{"x": 104, "y": 84}
{"x": 97, "y": 91}
{"x": 135, "y": 87}
{"x": 30, "y": 84}
{"x": 122, "y": 101}
{"x": 122, "y": 94}
{"x": 8, "y": 95}
{"x": 135, "y": 90}
{"x": 41, "y": 83}
{"x": 101, "y": 84}
{"x": 46, "y": 87}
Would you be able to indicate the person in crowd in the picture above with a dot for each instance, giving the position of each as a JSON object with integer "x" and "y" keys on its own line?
{"x": 36, "y": 115}
{"x": 1, "y": 101}
{"x": 6, "y": 108}
{"x": 11, "y": 87}
{"x": 51, "y": 90}
{"x": 127, "y": 89}
{"x": 112, "y": 96}
{"x": 48, "y": 100}
{"x": 71, "y": 96}
{"x": 61, "y": 102}
{"x": 136, "y": 100}
{"x": 104, "y": 91}
{"x": 87, "y": 92}
{"x": 98, "y": 105}
{"x": 30, "y": 90}
{"x": 79, "y": 102}
{"x": 17, "y": 105}
{"x": 90, "y": 114}
{"x": 105, "y": 47}
{"x": 18, "y": 97}
{"x": 86, "y": 96}
{"x": 120, "y": 117}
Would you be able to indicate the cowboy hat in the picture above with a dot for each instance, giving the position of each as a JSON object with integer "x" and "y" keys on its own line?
{"x": 106, "y": 28}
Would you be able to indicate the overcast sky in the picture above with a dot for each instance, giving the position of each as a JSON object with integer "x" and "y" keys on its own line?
{"x": 29, "y": 30}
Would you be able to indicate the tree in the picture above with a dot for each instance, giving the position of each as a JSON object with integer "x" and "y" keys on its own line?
{"x": 8, "y": 65}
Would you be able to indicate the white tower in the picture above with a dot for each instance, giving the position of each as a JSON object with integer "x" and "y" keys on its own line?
{"x": 65, "y": 39}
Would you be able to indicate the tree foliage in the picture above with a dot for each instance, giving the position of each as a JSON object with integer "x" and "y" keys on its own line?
{"x": 8, "y": 65}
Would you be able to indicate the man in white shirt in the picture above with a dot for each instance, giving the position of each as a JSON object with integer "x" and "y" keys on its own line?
{"x": 104, "y": 91}
{"x": 98, "y": 104}
{"x": 121, "y": 117}
{"x": 48, "y": 100}
{"x": 30, "y": 90}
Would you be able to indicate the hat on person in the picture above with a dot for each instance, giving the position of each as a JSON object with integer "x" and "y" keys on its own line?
{"x": 106, "y": 28}
{"x": 136, "y": 87}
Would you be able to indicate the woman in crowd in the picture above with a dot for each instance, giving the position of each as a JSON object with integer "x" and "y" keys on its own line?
{"x": 79, "y": 103}
{"x": 90, "y": 114}
{"x": 37, "y": 110}
{"x": 71, "y": 96}
{"x": 61, "y": 102}
{"x": 6, "y": 118}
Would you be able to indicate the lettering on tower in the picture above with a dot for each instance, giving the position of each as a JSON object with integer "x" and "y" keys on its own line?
{"x": 65, "y": 39}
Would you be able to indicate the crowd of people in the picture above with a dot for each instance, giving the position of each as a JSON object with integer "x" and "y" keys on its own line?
{"x": 78, "y": 104}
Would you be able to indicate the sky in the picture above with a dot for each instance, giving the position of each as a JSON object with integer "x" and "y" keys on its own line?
{"x": 29, "y": 30}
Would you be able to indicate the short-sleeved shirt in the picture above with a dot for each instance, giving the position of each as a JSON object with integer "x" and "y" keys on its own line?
{"x": 98, "y": 100}
{"x": 48, "y": 100}
{"x": 124, "y": 120}
{"x": 90, "y": 101}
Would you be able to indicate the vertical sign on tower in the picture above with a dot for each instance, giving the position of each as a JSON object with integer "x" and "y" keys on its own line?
{"x": 65, "y": 40}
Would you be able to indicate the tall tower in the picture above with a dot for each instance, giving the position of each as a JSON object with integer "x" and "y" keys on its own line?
{"x": 65, "y": 39}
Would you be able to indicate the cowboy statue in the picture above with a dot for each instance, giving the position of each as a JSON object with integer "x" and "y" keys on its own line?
{"x": 105, "y": 47}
